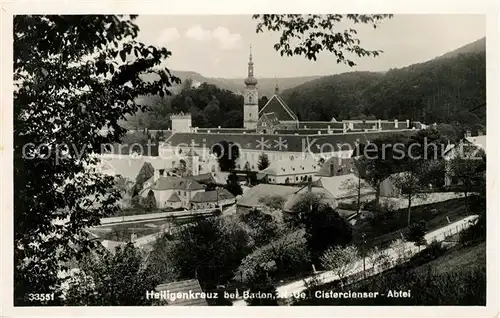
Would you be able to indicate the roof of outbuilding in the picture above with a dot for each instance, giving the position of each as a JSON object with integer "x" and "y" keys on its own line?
{"x": 211, "y": 196}
{"x": 191, "y": 286}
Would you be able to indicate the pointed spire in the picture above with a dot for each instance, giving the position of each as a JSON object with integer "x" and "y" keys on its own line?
{"x": 250, "y": 52}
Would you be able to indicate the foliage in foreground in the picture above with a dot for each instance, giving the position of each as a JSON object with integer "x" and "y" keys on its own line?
{"x": 119, "y": 279}
{"x": 74, "y": 75}
{"x": 458, "y": 285}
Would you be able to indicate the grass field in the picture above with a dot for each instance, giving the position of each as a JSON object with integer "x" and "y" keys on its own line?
{"x": 459, "y": 258}
{"x": 436, "y": 215}
{"x": 457, "y": 277}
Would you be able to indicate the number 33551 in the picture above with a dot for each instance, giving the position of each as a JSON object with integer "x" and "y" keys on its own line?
{"x": 41, "y": 297}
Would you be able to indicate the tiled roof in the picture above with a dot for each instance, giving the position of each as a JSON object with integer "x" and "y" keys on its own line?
{"x": 252, "y": 196}
{"x": 174, "y": 198}
{"x": 211, "y": 196}
{"x": 278, "y": 106}
{"x": 175, "y": 183}
{"x": 269, "y": 118}
{"x": 343, "y": 186}
{"x": 326, "y": 197}
{"x": 284, "y": 142}
{"x": 204, "y": 178}
{"x": 186, "y": 286}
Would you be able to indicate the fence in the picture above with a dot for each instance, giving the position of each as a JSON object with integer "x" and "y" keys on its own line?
{"x": 404, "y": 253}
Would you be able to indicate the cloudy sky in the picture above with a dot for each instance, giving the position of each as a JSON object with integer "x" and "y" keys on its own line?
{"x": 218, "y": 46}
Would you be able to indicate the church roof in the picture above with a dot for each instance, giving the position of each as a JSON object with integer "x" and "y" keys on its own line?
{"x": 270, "y": 118}
{"x": 283, "y": 142}
{"x": 278, "y": 106}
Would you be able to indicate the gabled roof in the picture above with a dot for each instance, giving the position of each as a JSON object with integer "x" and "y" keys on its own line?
{"x": 174, "y": 198}
{"x": 174, "y": 183}
{"x": 343, "y": 186}
{"x": 204, "y": 178}
{"x": 336, "y": 166}
{"x": 190, "y": 286}
{"x": 211, "y": 196}
{"x": 290, "y": 167}
{"x": 278, "y": 106}
{"x": 270, "y": 118}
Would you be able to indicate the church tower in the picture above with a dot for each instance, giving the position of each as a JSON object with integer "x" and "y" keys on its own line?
{"x": 251, "y": 98}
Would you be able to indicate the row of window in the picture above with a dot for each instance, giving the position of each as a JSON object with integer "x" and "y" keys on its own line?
{"x": 271, "y": 156}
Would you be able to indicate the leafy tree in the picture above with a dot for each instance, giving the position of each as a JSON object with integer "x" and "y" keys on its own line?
{"x": 149, "y": 203}
{"x": 263, "y": 161}
{"x": 380, "y": 159}
{"x": 233, "y": 185}
{"x": 264, "y": 227}
{"x": 274, "y": 202}
{"x": 210, "y": 250}
{"x": 468, "y": 168}
{"x": 410, "y": 183}
{"x": 417, "y": 233}
{"x": 324, "y": 227}
{"x": 378, "y": 258}
{"x": 212, "y": 112}
{"x": 340, "y": 260}
{"x": 233, "y": 119}
{"x": 227, "y": 154}
{"x": 310, "y": 34}
{"x": 70, "y": 72}
{"x": 261, "y": 284}
{"x": 355, "y": 187}
{"x": 119, "y": 279}
{"x": 400, "y": 249}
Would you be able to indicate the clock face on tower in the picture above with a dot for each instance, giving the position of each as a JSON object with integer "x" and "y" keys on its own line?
{"x": 251, "y": 98}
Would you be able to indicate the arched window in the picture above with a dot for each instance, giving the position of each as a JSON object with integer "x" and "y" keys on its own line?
{"x": 250, "y": 101}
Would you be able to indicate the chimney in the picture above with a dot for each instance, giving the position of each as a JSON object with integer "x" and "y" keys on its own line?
{"x": 395, "y": 123}
{"x": 379, "y": 124}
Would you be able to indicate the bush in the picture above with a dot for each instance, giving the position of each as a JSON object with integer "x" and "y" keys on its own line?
{"x": 474, "y": 233}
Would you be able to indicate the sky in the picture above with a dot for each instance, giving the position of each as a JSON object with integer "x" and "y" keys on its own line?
{"x": 218, "y": 46}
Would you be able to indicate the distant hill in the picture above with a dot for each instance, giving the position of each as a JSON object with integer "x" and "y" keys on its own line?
{"x": 442, "y": 90}
{"x": 474, "y": 47}
{"x": 236, "y": 85}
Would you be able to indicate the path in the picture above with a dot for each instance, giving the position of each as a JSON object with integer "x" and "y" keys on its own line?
{"x": 326, "y": 277}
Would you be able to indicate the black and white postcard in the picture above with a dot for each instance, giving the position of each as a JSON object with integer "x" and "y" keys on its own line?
{"x": 161, "y": 157}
